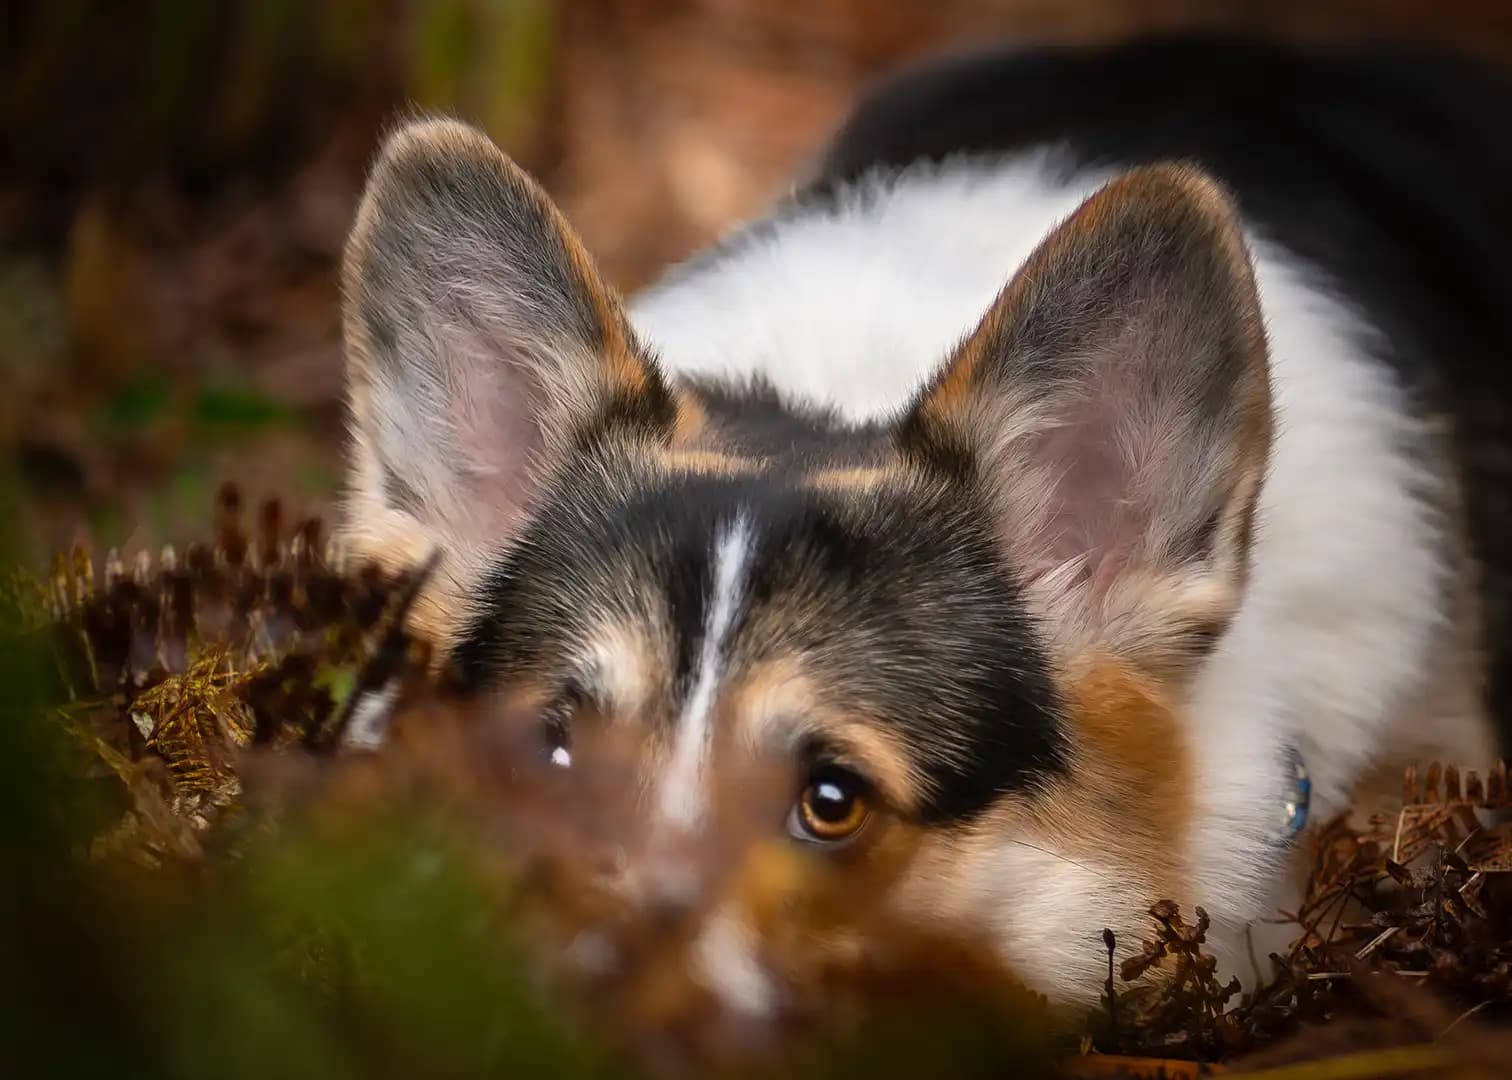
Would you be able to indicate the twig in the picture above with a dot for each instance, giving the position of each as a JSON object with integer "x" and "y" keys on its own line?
{"x": 1111, "y": 943}
{"x": 1376, "y": 942}
{"x": 1467, "y": 1014}
{"x": 1249, "y": 947}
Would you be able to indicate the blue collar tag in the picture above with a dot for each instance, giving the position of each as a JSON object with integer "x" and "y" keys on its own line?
{"x": 1297, "y": 798}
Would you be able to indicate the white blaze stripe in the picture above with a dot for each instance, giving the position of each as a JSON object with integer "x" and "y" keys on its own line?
{"x": 682, "y": 792}
{"x": 725, "y": 961}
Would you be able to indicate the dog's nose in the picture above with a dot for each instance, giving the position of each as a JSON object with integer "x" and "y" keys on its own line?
{"x": 660, "y": 884}
{"x": 673, "y": 885}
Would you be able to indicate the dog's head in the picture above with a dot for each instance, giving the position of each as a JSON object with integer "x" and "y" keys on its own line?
{"x": 962, "y": 636}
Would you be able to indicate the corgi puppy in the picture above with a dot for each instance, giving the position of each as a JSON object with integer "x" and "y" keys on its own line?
{"x": 1093, "y": 442}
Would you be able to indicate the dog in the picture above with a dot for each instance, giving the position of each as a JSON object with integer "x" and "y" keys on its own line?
{"x": 1098, "y": 465}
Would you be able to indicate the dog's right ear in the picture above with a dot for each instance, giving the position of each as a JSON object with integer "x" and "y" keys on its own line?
{"x": 481, "y": 342}
{"x": 1113, "y": 407}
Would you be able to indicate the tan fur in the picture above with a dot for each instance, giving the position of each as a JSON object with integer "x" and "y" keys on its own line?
{"x": 851, "y": 478}
{"x": 625, "y": 659}
{"x": 1128, "y": 795}
{"x": 714, "y": 462}
{"x": 776, "y": 703}
{"x": 1126, "y": 800}
{"x": 692, "y": 419}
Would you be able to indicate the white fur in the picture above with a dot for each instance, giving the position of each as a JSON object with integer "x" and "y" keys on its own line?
{"x": 682, "y": 791}
{"x": 1345, "y": 617}
{"x": 853, "y": 309}
{"x": 725, "y": 962}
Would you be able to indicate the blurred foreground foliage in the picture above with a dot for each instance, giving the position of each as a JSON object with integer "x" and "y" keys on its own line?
{"x": 204, "y": 876}
{"x": 315, "y": 950}
{"x": 252, "y": 828}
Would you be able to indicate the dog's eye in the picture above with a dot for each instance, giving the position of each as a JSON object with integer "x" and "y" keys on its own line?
{"x": 832, "y": 807}
{"x": 556, "y": 726}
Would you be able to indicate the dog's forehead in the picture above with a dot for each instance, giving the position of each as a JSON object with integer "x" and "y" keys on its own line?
{"x": 645, "y": 561}
{"x": 779, "y": 605}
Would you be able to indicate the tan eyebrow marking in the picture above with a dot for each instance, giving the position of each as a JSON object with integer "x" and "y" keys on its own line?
{"x": 777, "y": 704}
{"x": 708, "y": 461}
{"x": 861, "y": 477}
{"x": 619, "y": 659}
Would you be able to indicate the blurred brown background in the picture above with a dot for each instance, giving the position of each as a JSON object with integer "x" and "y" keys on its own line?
{"x": 177, "y": 176}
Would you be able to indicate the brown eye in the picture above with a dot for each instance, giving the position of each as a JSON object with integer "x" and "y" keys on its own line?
{"x": 832, "y": 806}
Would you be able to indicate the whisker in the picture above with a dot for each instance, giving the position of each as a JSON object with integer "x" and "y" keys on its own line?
{"x": 1058, "y": 855}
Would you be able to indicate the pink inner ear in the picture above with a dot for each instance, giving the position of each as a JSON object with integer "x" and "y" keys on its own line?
{"x": 1127, "y": 458}
{"x": 456, "y": 435}
{"x": 1099, "y": 465}
{"x": 492, "y": 431}
{"x": 495, "y": 463}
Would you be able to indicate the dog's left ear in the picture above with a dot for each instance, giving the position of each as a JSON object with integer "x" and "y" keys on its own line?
{"x": 483, "y": 351}
{"x": 1113, "y": 412}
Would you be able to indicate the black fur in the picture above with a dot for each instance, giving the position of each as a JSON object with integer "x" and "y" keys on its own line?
{"x": 1389, "y": 169}
{"x": 755, "y": 419}
{"x": 894, "y": 588}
